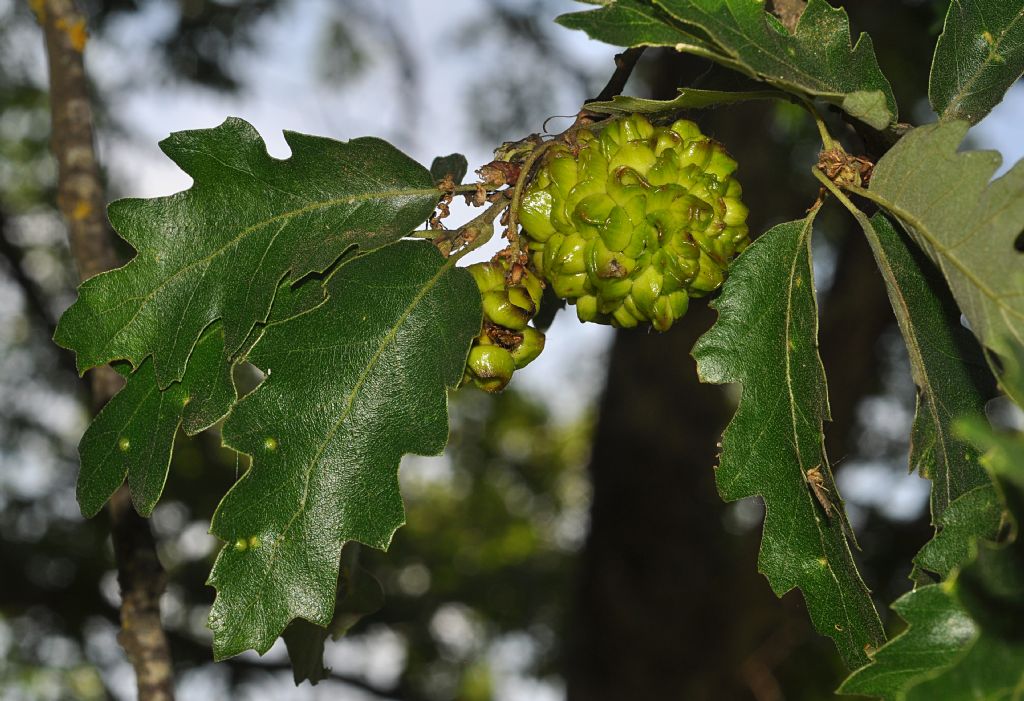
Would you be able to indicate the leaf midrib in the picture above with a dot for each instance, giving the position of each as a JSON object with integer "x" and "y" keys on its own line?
{"x": 957, "y": 98}
{"x": 917, "y": 365}
{"x": 284, "y": 216}
{"x": 919, "y": 226}
{"x": 812, "y": 81}
{"x": 790, "y": 290}
{"x": 349, "y": 402}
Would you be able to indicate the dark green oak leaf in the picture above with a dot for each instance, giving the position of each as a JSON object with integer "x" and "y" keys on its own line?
{"x": 219, "y": 249}
{"x": 638, "y": 23}
{"x": 817, "y": 60}
{"x": 964, "y": 639}
{"x": 454, "y": 164}
{"x": 973, "y": 515}
{"x": 991, "y": 670}
{"x": 939, "y": 631}
{"x": 979, "y": 55}
{"x": 359, "y": 594}
{"x": 351, "y": 386}
{"x": 966, "y": 224}
{"x": 944, "y": 655}
{"x": 946, "y": 362}
{"x": 991, "y": 589}
{"x": 133, "y": 436}
{"x": 766, "y": 339}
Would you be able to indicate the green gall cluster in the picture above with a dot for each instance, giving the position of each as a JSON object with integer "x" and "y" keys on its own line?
{"x": 631, "y": 222}
{"x": 510, "y": 295}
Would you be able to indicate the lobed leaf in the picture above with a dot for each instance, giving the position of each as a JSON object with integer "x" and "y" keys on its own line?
{"x": 967, "y": 225}
{"x": 766, "y": 339}
{"x": 991, "y": 589}
{"x": 359, "y": 594}
{"x": 636, "y": 23}
{"x": 219, "y": 249}
{"x": 963, "y": 639}
{"x": 351, "y": 386}
{"x": 939, "y": 630}
{"x": 133, "y": 435}
{"x": 979, "y": 55}
{"x": 817, "y": 60}
{"x": 971, "y": 516}
{"x": 945, "y": 360}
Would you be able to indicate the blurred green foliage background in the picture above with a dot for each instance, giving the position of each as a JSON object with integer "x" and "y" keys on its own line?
{"x": 570, "y": 544}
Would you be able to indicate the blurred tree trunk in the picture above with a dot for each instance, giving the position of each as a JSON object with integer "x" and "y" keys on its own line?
{"x": 669, "y": 603}
{"x": 81, "y": 200}
{"x": 657, "y": 578}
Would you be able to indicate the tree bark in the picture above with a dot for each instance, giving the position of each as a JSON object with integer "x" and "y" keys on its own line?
{"x": 645, "y": 565}
{"x": 669, "y": 604}
{"x": 81, "y": 200}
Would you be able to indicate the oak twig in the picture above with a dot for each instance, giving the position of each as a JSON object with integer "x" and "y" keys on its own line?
{"x": 81, "y": 200}
{"x": 624, "y": 64}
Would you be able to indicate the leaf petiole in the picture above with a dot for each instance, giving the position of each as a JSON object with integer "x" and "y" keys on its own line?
{"x": 828, "y": 143}
{"x": 861, "y": 218}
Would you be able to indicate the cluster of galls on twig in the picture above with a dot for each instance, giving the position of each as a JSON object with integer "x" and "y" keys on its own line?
{"x": 625, "y": 220}
{"x": 510, "y": 295}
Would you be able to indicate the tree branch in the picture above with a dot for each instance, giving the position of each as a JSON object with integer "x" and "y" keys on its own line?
{"x": 80, "y": 190}
{"x": 81, "y": 201}
{"x": 624, "y": 64}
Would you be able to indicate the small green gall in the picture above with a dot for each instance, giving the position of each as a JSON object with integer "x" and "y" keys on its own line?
{"x": 490, "y": 367}
{"x": 510, "y": 295}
